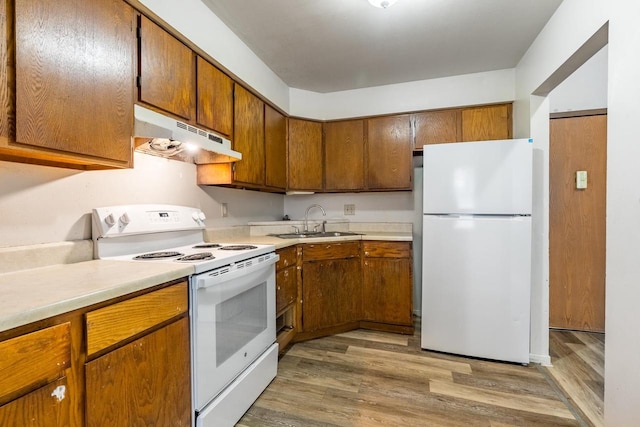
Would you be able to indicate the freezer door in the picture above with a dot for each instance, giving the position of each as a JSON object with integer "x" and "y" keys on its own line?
{"x": 487, "y": 177}
{"x": 476, "y": 286}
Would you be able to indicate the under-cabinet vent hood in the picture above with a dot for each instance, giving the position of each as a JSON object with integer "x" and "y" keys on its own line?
{"x": 163, "y": 136}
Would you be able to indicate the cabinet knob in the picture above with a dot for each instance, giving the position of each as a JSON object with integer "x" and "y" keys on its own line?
{"x": 286, "y": 273}
{"x": 366, "y": 253}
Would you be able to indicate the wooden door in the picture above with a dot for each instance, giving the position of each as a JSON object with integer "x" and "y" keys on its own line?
{"x": 275, "y": 148}
{"x": 389, "y": 153}
{"x": 577, "y": 223}
{"x": 167, "y": 77}
{"x": 74, "y": 77}
{"x": 146, "y": 382}
{"x": 344, "y": 155}
{"x": 436, "y": 127}
{"x": 214, "y": 98}
{"x": 248, "y": 137}
{"x": 305, "y": 155}
{"x": 487, "y": 123}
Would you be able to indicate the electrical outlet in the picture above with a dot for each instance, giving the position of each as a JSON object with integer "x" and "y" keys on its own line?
{"x": 224, "y": 210}
{"x": 349, "y": 209}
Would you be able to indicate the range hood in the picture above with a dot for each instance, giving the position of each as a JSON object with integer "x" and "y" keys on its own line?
{"x": 163, "y": 136}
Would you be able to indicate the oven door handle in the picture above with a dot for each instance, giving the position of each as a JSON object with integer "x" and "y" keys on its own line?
{"x": 211, "y": 279}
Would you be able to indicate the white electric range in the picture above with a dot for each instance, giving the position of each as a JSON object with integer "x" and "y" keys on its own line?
{"x": 232, "y": 300}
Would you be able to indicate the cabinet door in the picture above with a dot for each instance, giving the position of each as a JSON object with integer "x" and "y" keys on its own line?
{"x": 146, "y": 382}
{"x": 436, "y": 127}
{"x": 344, "y": 155}
{"x": 214, "y": 98}
{"x": 486, "y": 123}
{"x": 48, "y": 406}
{"x": 331, "y": 293}
{"x": 286, "y": 287}
{"x": 389, "y": 153}
{"x": 166, "y": 75}
{"x": 248, "y": 137}
{"x": 387, "y": 288}
{"x": 74, "y": 78}
{"x": 305, "y": 155}
{"x": 275, "y": 147}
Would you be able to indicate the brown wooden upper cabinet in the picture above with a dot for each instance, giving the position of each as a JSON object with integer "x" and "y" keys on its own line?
{"x": 73, "y": 75}
{"x": 248, "y": 137}
{"x": 305, "y": 155}
{"x": 214, "y": 98}
{"x": 436, "y": 127}
{"x": 389, "y": 153}
{"x": 344, "y": 155}
{"x": 275, "y": 147}
{"x": 487, "y": 123}
{"x": 166, "y": 78}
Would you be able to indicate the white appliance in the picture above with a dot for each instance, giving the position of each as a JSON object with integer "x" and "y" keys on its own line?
{"x": 231, "y": 301}
{"x": 476, "y": 260}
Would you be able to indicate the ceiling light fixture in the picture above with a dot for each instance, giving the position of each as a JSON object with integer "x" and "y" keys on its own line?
{"x": 382, "y": 4}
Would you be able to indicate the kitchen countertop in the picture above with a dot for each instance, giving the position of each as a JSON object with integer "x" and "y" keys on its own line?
{"x": 30, "y": 295}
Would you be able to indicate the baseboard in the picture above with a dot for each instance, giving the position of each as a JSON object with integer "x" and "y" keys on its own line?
{"x": 543, "y": 359}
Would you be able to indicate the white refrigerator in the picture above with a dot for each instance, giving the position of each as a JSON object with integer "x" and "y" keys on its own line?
{"x": 476, "y": 254}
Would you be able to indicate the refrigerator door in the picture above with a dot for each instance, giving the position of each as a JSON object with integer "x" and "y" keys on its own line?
{"x": 488, "y": 177}
{"x": 476, "y": 286}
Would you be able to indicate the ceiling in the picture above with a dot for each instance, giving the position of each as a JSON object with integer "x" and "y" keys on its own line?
{"x": 334, "y": 45}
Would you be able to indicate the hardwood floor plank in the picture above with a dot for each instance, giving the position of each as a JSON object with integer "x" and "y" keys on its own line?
{"x": 414, "y": 360}
{"x": 506, "y": 400}
{"x": 383, "y": 337}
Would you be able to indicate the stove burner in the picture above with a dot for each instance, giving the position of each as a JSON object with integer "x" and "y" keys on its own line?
{"x": 158, "y": 255}
{"x": 237, "y": 247}
{"x": 207, "y": 245}
{"x": 201, "y": 256}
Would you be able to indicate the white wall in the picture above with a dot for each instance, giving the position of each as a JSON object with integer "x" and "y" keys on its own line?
{"x": 574, "y": 22}
{"x": 471, "y": 89}
{"x": 622, "y": 371}
{"x": 40, "y": 204}
{"x": 585, "y": 89}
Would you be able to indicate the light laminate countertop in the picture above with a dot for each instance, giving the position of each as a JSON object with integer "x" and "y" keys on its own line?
{"x": 35, "y": 294}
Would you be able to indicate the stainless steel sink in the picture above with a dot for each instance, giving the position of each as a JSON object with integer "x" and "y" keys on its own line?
{"x": 314, "y": 234}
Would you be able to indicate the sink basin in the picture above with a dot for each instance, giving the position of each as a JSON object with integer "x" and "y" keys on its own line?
{"x": 310, "y": 234}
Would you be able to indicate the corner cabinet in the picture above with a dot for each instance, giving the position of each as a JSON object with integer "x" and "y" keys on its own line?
{"x": 389, "y": 153}
{"x": 68, "y": 97}
{"x": 331, "y": 286}
{"x": 275, "y": 148}
{"x": 387, "y": 283}
{"x": 166, "y": 78}
{"x": 248, "y": 138}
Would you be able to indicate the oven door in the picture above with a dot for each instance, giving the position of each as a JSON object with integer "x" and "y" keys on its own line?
{"x": 233, "y": 322}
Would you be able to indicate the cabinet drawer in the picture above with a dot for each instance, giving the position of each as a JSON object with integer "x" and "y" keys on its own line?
{"x": 386, "y": 249}
{"x": 319, "y": 251}
{"x": 287, "y": 257}
{"x": 33, "y": 360}
{"x": 117, "y": 322}
{"x": 286, "y": 287}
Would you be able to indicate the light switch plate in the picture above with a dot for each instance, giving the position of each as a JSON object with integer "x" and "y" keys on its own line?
{"x": 581, "y": 180}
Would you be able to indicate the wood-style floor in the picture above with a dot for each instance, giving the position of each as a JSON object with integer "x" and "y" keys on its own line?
{"x": 365, "y": 378}
{"x": 577, "y": 360}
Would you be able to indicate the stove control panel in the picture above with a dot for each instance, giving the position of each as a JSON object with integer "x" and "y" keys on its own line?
{"x": 122, "y": 220}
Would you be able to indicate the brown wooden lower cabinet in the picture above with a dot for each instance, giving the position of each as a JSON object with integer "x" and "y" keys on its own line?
{"x": 146, "y": 382}
{"x": 344, "y": 287}
{"x": 140, "y": 377}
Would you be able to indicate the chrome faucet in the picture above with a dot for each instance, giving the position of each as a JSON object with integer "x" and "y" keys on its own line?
{"x": 306, "y": 216}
